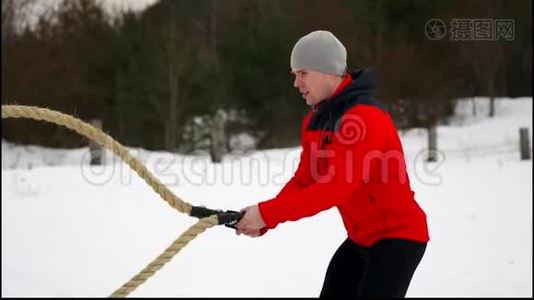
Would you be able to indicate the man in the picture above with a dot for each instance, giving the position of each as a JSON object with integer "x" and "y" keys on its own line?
{"x": 352, "y": 159}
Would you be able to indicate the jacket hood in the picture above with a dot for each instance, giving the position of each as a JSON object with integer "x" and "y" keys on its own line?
{"x": 362, "y": 87}
{"x": 359, "y": 91}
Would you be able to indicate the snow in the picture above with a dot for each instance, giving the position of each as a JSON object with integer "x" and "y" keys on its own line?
{"x": 69, "y": 229}
{"x": 243, "y": 142}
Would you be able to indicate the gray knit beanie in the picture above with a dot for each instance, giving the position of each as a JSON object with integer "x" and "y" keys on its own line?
{"x": 320, "y": 51}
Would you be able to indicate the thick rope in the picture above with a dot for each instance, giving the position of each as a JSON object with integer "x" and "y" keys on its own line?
{"x": 166, "y": 256}
{"x": 95, "y": 134}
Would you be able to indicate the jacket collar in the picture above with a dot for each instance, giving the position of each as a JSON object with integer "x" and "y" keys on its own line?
{"x": 357, "y": 83}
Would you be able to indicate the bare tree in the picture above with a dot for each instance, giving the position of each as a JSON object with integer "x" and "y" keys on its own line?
{"x": 170, "y": 127}
{"x": 14, "y": 15}
{"x": 218, "y": 136}
{"x": 486, "y": 59}
{"x": 488, "y": 64}
{"x": 212, "y": 31}
{"x": 176, "y": 56}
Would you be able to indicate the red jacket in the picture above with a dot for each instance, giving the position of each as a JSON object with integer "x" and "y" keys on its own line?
{"x": 352, "y": 159}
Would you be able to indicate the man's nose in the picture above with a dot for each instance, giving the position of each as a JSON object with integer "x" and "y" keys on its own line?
{"x": 296, "y": 82}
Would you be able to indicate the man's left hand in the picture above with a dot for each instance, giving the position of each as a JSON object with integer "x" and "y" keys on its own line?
{"x": 252, "y": 218}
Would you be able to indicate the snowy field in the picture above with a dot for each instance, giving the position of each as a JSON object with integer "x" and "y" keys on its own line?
{"x": 73, "y": 230}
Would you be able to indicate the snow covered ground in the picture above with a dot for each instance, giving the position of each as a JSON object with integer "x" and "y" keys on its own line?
{"x": 69, "y": 229}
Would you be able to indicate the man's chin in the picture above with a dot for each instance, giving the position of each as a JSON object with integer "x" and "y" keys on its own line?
{"x": 311, "y": 102}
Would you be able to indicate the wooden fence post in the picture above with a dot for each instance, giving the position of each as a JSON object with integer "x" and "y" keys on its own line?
{"x": 524, "y": 143}
{"x": 432, "y": 143}
{"x": 95, "y": 150}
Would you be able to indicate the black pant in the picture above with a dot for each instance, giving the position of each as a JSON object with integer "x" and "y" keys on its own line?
{"x": 382, "y": 270}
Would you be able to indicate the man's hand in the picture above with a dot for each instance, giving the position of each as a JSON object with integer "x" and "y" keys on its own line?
{"x": 249, "y": 232}
{"x": 251, "y": 223}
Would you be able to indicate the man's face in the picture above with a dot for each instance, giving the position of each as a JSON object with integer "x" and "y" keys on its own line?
{"x": 314, "y": 86}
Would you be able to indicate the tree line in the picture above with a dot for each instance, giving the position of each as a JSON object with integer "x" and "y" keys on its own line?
{"x": 154, "y": 76}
